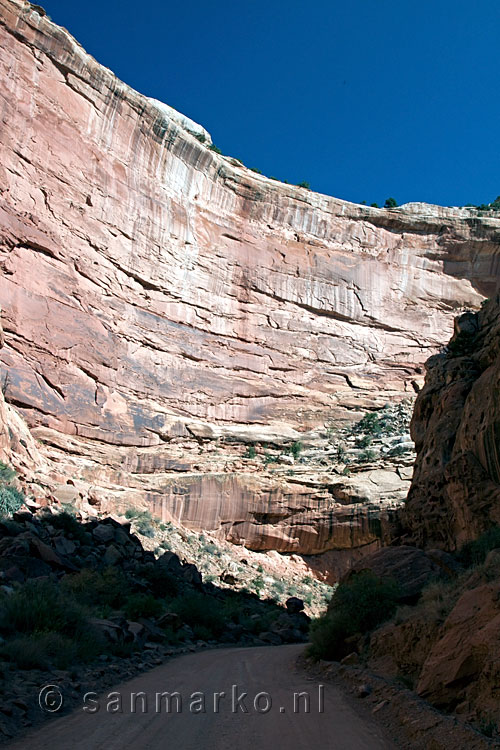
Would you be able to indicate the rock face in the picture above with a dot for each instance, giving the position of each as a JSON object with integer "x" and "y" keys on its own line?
{"x": 156, "y": 294}
{"x": 455, "y": 493}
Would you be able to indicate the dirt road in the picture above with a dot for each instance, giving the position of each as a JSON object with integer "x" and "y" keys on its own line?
{"x": 258, "y": 710}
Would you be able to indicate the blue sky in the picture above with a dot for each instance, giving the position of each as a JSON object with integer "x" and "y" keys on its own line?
{"x": 363, "y": 100}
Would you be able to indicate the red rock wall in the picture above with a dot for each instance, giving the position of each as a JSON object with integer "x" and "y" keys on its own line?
{"x": 153, "y": 291}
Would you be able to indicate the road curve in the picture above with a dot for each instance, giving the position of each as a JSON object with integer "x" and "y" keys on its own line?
{"x": 274, "y": 719}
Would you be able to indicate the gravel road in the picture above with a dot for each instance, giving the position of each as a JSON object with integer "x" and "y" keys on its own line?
{"x": 258, "y": 710}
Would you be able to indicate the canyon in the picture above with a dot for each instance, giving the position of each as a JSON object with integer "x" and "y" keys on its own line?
{"x": 165, "y": 309}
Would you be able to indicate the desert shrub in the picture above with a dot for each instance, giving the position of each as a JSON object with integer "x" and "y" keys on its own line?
{"x": 250, "y": 452}
{"x": 305, "y": 185}
{"x": 296, "y": 449}
{"x": 390, "y": 203}
{"x": 40, "y": 606}
{"x": 196, "y": 609}
{"x": 142, "y": 605}
{"x": 7, "y": 473}
{"x": 67, "y": 522}
{"x": 364, "y": 441}
{"x": 369, "y": 423}
{"x": 143, "y": 521}
{"x": 357, "y": 606}
{"x": 256, "y": 170}
{"x": 215, "y": 148}
{"x": 41, "y": 651}
{"x": 258, "y": 584}
{"x": 106, "y": 589}
{"x": 398, "y": 450}
{"x": 367, "y": 455}
{"x": 11, "y": 499}
{"x": 475, "y": 553}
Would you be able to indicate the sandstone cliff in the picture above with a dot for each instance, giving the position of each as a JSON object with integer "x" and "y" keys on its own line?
{"x": 455, "y": 494}
{"x": 160, "y": 300}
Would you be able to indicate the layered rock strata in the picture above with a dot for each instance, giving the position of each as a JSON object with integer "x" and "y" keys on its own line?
{"x": 158, "y": 297}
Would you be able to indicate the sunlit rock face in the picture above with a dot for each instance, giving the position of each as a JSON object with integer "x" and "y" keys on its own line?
{"x": 455, "y": 493}
{"x": 155, "y": 292}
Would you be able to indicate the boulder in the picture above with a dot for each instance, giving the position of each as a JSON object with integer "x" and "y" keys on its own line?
{"x": 464, "y": 662}
{"x": 294, "y": 605}
{"x": 103, "y": 533}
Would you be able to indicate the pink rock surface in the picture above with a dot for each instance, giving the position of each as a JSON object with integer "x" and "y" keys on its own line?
{"x": 153, "y": 290}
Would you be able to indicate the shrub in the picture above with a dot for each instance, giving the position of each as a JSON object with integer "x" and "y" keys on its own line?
{"x": 357, "y": 606}
{"x": 369, "y": 423}
{"x": 390, "y": 203}
{"x": 196, "y": 609}
{"x": 341, "y": 453}
{"x": 90, "y": 588}
{"x": 7, "y": 473}
{"x": 11, "y": 500}
{"x": 296, "y": 449}
{"x": 68, "y": 523}
{"x": 475, "y": 553}
{"x": 367, "y": 455}
{"x": 142, "y": 605}
{"x": 305, "y": 185}
{"x": 201, "y": 137}
{"x": 364, "y": 441}
{"x": 256, "y": 170}
{"x": 215, "y": 148}
{"x": 374, "y": 205}
{"x": 40, "y": 606}
{"x": 41, "y": 651}
{"x": 250, "y": 452}
{"x": 142, "y": 520}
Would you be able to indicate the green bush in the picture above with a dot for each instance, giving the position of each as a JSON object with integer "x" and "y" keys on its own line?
{"x": 250, "y": 452}
{"x": 41, "y": 651}
{"x": 68, "y": 523}
{"x": 367, "y": 455}
{"x": 142, "y": 605}
{"x": 215, "y": 148}
{"x": 161, "y": 583}
{"x": 370, "y": 423}
{"x": 475, "y": 553}
{"x": 143, "y": 521}
{"x": 364, "y": 441}
{"x": 7, "y": 473}
{"x": 390, "y": 203}
{"x": 296, "y": 448}
{"x": 256, "y": 170}
{"x": 11, "y": 500}
{"x": 357, "y": 606}
{"x": 305, "y": 185}
{"x": 196, "y": 609}
{"x": 107, "y": 589}
{"x": 40, "y": 606}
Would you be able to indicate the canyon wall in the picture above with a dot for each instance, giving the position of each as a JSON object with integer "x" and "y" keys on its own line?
{"x": 162, "y": 303}
{"x": 455, "y": 493}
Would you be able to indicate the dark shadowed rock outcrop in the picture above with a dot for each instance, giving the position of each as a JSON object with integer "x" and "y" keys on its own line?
{"x": 455, "y": 493}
